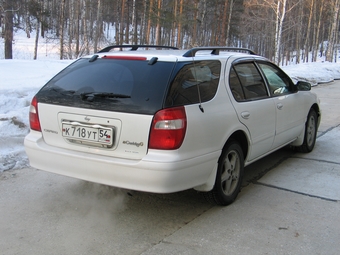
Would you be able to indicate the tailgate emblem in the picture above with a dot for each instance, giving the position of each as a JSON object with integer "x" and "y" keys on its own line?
{"x": 87, "y": 118}
{"x": 133, "y": 143}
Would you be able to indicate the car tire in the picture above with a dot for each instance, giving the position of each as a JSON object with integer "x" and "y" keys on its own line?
{"x": 229, "y": 175}
{"x": 310, "y": 132}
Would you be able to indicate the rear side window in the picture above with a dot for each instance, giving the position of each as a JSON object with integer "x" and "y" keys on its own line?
{"x": 132, "y": 86}
{"x": 194, "y": 82}
{"x": 246, "y": 83}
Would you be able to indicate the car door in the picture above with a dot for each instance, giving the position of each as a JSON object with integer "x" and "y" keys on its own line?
{"x": 254, "y": 107}
{"x": 290, "y": 116}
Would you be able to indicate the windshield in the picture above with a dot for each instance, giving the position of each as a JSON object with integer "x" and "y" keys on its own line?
{"x": 110, "y": 84}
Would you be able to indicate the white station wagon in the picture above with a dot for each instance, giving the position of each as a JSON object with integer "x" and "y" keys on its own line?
{"x": 168, "y": 120}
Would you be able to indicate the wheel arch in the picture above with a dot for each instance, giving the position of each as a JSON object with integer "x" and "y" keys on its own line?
{"x": 317, "y": 109}
{"x": 240, "y": 137}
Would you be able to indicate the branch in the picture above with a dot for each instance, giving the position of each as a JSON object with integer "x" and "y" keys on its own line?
{"x": 3, "y": 10}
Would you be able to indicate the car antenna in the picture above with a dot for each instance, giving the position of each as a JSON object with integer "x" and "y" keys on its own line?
{"x": 198, "y": 87}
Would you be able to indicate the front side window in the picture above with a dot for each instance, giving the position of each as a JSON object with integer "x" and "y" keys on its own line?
{"x": 195, "y": 82}
{"x": 277, "y": 80}
{"x": 246, "y": 82}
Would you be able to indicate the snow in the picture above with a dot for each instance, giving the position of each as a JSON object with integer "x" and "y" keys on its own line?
{"x": 19, "y": 81}
{"x": 21, "y": 78}
{"x": 315, "y": 72}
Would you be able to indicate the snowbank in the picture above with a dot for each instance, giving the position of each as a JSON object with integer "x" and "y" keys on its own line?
{"x": 315, "y": 73}
{"x": 19, "y": 81}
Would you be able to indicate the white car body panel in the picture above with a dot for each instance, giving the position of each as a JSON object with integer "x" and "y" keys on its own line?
{"x": 259, "y": 117}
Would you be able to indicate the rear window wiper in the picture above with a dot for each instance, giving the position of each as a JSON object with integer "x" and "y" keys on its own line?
{"x": 89, "y": 96}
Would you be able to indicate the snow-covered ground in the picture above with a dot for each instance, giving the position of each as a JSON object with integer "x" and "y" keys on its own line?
{"x": 21, "y": 78}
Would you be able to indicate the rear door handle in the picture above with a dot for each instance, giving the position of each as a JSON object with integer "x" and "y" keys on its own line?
{"x": 245, "y": 115}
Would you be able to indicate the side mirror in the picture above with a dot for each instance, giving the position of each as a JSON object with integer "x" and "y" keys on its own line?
{"x": 303, "y": 86}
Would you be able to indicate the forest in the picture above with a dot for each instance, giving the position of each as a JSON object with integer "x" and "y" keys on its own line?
{"x": 284, "y": 31}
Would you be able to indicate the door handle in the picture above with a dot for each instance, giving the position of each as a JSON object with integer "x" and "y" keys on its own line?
{"x": 279, "y": 106}
{"x": 245, "y": 115}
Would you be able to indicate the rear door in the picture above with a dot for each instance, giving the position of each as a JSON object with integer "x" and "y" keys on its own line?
{"x": 254, "y": 107}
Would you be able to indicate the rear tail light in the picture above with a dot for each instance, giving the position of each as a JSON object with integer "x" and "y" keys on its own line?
{"x": 168, "y": 129}
{"x": 34, "y": 117}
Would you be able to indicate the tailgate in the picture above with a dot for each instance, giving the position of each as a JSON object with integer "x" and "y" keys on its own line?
{"x": 123, "y": 135}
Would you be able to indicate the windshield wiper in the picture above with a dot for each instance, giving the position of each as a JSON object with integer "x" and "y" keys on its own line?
{"x": 89, "y": 96}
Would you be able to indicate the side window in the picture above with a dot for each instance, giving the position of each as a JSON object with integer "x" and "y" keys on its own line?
{"x": 194, "y": 81}
{"x": 246, "y": 82}
{"x": 277, "y": 80}
{"x": 235, "y": 86}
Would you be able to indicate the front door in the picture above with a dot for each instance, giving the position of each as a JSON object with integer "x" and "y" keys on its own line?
{"x": 290, "y": 118}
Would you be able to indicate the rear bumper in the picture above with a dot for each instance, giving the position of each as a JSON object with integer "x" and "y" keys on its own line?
{"x": 150, "y": 174}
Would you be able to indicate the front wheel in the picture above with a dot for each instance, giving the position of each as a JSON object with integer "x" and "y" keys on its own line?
{"x": 310, "y": 132}
{"x": 229, "y": 175}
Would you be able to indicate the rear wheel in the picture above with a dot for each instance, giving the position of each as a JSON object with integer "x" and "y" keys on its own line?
{"x": 310, "y": 132}
{"x": 229, "y": 175}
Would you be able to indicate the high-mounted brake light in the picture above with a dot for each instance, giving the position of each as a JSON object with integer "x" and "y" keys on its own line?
{"x": 124, "y": 57}
{"x": 168, "y": 129}
{"x": 33, "y": 115}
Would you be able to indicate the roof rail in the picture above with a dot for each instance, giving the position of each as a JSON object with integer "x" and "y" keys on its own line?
{"x": 215, "y": 50}
{"x": 135, "y": 47}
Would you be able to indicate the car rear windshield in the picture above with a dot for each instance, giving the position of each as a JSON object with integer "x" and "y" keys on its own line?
{"x": 132, "y": 86}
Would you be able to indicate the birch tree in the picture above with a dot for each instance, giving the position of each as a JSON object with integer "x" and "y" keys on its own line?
{"x": 333, "y": 30}
{"x": 98, "y": 30}
{"x": 61, "y": 28}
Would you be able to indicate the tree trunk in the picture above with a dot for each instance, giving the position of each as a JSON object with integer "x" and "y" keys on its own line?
{"x": 231, "y": 6}
{"x": 298, "y": 45}
{"x": 203, "y": 19}
{"x": 194, "y": 31}
{"x": 98, "y": 32}
{"x": 174, "y": 24}
{"x": 77, "y": 29}
{"x": 332, "y": 34}
{"x": 280, "y": 16}
{"x": 61, "y": 28}
{"x": 134, "y": 23}
{"x": 36, "y": 39}
{"x": 8, "y": 31}
{"x": 317, "y": 34}
{"x": 158, "y": 27}
{"x": 306, "y": 46}
{"x": 223, "y": 38}
{"x": 122, "y": 25}
{"x": 148, "y": 29}
{"x": 28, "y": 25}
{"x": 179, "y": 28}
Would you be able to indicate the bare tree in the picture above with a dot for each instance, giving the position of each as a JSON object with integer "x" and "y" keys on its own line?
{"x": 333, "y": 30}
{"x": 62, "y": 19}
{"x": 179, "y": 25}
{"x": 8, "y": 9}
{"x": 158, "y": 26}
{"x": 98, "y": 30}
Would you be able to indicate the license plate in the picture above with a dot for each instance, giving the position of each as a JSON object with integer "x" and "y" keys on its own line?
{"x": 88, "y": 133}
